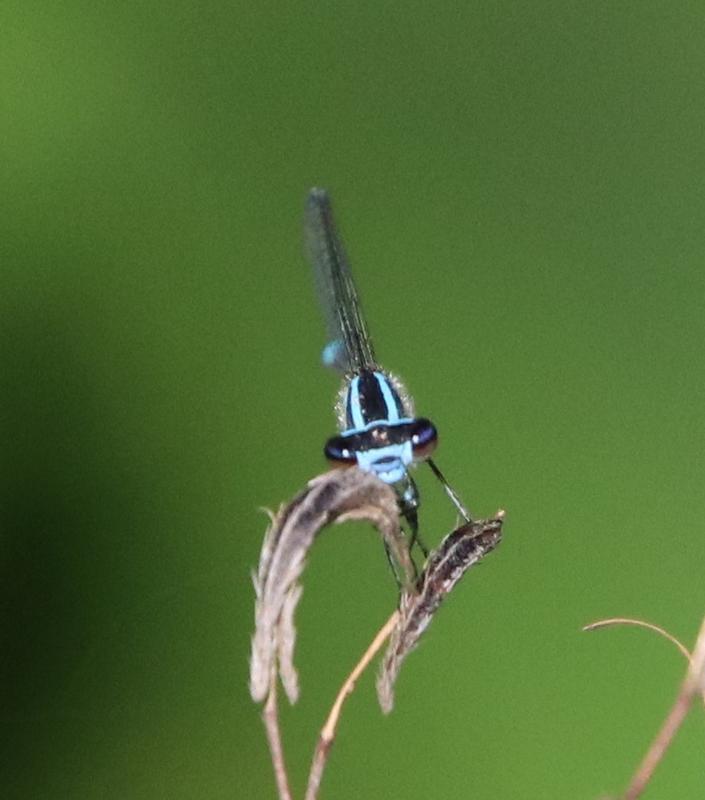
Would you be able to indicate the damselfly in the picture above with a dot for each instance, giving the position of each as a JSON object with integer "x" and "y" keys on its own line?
{"x": 378, "y": 429}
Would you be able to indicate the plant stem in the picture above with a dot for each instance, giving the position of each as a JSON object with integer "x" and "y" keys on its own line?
{"x": 327, "y": 734}
{"x": 270, "y": 717}
{"x": 692, "y": 684}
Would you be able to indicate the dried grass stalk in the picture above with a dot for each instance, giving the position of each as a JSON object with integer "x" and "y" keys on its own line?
{"x": 337, "y": 495}
{"x": 461, "y": 549}
{"x": 694, "y": 683}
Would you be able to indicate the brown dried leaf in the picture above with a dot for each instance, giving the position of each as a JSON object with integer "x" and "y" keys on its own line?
{"x": 462, "y": 548}
{"x": 337, "y": 495}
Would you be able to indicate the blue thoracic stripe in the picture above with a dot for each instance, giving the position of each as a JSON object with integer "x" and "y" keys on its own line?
{"x": 371, "y": 397}
{"x": 389, "y": 398}
{"x": 355, "y": 420}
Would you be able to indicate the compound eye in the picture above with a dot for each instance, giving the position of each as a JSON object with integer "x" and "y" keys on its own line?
{"x": 424, "y": 438}
{"x": 338, "y": 450}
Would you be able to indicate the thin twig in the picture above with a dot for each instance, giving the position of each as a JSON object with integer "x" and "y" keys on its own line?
{"x": 606, "y": 623}
{"x": 640, "y": 623}
{"x": 327, "y": 734}
{"x": 659, "y": 745}
{"x": 692, "y": 684}
{"x": 270, "y": 717}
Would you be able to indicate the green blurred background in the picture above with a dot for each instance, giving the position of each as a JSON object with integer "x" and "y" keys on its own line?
{"x": 520, "y": 187}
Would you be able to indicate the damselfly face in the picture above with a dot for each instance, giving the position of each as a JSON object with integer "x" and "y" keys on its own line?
{"x": 378, "y": 430}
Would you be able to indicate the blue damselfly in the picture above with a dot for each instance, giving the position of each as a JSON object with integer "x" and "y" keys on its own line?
{"x": 378, "y": 428}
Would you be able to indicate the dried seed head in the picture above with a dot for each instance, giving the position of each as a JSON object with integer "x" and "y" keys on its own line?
{"x": 462, "y": 548}
{"x": 338, "y": 495}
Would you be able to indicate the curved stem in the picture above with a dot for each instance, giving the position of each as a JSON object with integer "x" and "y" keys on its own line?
{"x": 639, "y": 623}
{"x": 692, "y": 684}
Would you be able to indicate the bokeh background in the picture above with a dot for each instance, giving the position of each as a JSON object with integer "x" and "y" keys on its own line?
{"x": 520, "y": 187}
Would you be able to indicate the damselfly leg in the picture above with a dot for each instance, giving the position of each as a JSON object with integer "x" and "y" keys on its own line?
{"x": 409, "y": 510}
{"x": 457, "y": 502}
